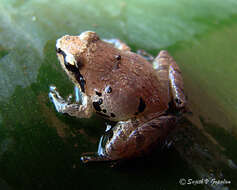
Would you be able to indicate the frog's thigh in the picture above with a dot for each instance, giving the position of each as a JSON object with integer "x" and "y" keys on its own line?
{"x": 170, "y": 75}
{"x": 130, "y": 142}
{"x": 118, "y": 44}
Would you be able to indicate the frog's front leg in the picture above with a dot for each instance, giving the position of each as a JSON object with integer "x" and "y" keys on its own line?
{"x": 131, "y": 139}
{"x": 83, "y": 110}
{"x": 170, "y": 75}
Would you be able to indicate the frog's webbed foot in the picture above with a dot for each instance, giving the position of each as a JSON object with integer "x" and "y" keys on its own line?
{"x": 118, "y": 44}
{"x": 89, "y": 157}
{"x": 65, "y": 106}
{"x": 170, "y": 75}
{"x": 93, "y": 157}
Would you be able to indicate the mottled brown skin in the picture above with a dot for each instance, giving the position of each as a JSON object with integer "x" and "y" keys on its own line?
{"x": 121, "y": 86}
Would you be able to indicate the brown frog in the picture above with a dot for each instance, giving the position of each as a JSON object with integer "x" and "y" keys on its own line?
{"x": 143, "y": 95}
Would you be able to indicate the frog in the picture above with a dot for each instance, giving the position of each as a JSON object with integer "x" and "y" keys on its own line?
{"x": 143, "y": 96}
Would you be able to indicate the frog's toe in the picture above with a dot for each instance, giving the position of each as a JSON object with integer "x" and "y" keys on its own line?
{"x": 69, "y": 98}
{"x": 53, "y": 93}
{"x": 58, "y": 101}
{"x": 85, "y": 158}
{"x": 52, "y": 96}
{"x": 52, "y": 88}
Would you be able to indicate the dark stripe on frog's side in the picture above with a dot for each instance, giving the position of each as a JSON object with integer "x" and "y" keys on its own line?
{"x": 118, "y": 57}
{"x": 74, "y": 70}
{"x": 96, "y": 105}
{"x": 100, "y": 101}
{"x": 98, "y": 109}
{"x": 98, "y": 93}
{"x": 141, "y": 107}
{"x": 112, "y": 115}
{"x": 101, "y": 114}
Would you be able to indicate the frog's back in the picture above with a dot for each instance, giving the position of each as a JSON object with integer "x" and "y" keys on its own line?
{"x": 134, "y": 88}
{"x": 137, "y": 88}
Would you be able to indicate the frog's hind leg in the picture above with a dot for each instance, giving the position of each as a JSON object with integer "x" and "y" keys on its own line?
{"x": 130, "y": 139}
{"x": 118, "y": 44}
{"x": 111, "y": 143}
{"x": 138, "y": 140}
{"x": 170, "y": 75}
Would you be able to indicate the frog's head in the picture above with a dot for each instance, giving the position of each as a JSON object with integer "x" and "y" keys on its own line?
{"x": 71, "y": 50}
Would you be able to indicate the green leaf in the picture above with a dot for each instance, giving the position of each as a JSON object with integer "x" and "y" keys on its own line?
{"x": 40, "y": 149}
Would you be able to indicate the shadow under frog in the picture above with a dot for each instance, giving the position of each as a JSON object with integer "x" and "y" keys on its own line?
{"x": 143, "y": 95}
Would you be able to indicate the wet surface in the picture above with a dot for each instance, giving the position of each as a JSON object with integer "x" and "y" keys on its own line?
{"x": 40, "y": 149}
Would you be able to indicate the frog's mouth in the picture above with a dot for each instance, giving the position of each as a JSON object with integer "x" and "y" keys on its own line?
{"x": 72, "y": 68}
